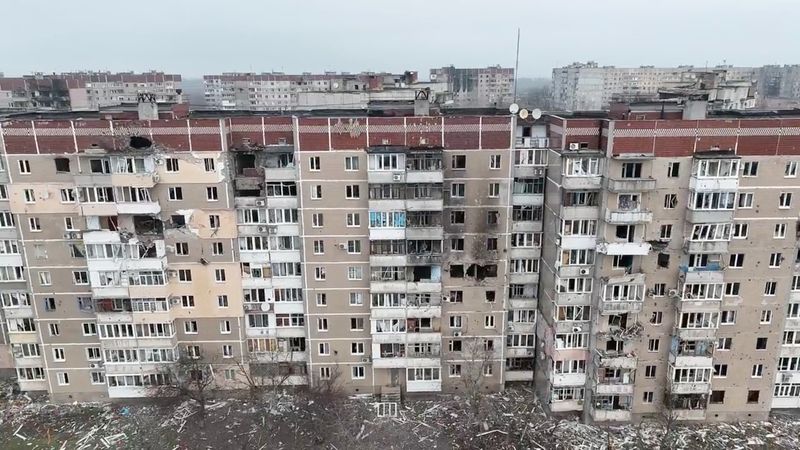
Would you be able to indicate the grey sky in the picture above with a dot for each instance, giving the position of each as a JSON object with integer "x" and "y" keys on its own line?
{"x": 204, "y": 36}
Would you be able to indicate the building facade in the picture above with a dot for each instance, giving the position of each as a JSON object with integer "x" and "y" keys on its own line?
{"x": 590, "y": 87}
{"x": 86, "y": 91}
{"x": 367, "y": 252}
{"x": 669, "y": 276}
{"x": 482, "y": 87}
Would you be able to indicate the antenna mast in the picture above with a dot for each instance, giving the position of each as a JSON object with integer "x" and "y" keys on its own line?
{"x": 516, "y": 68}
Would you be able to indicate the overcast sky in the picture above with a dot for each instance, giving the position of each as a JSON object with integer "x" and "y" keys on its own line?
{"x": 204, "y": 36}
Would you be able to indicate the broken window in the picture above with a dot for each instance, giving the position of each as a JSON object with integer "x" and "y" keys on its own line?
{"x": 178, "y": 220}
{"x": 663, "y": 260}
{"x": 139, "y": 142}
{"x": 480, "y": 272}
{"x": 62, "y": 165}
{"x": 456, "y": 271}
{"x": 148, "y": 225}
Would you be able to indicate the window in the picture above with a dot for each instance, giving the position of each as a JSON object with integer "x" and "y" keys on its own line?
{"x": 322, "y": 299}
{"x": 724, "y": 343}
{"x": 488, "y": 321}
{"x": 459, "y": 162}
{"x": 63, "y": 378}
{"x": 45, "y": 278}
{"x": 780, "y": 231}
{"x": 54, "y": 329}
{"x": 457, "y": 190}
{"x": 353, "y": 220}
{"x": 666, "y": 232}
{"x": 727, "y": 317}
{"x": 745, "y": 200}
{"x": 732, "y": 289}
{"x": 185, "y": 275}
{"x": 319, "y": 247}
{"x": 211, "y": 193}
{"x": 740, "y": 231}
{"x": 352, "y": 192}
{"x": 770, "y": 287}
{"x": 355, "y": 273}
{"x": 190, "y": 327}
{"x": 761, "y": 343}
{"x": 631, "y": 170}
{"x": 62, "y": 165}
{"x": 217, "y": 249}
{"x": 24, "y": 166}
{"x": 490, "y": 296}
{"x": 656, "y": 317}
{"x": 219, "y": 275}
{"x": 324, "y": 349}
{"x": 225, "y": 327}
{"x": 58, "y": 355}
{"x": 650, "y": 371}
{"x": 324, "y": 373}
{"x": 750, "y": 168}
{"x": 322, "y": 324}
{"x": 317, "y": 220}
{"x": 720, "y": 370}
{"x": 319, "y": 273}
{"x": 653, "y": 345}
{"x": 3, "y": 192}
{"x": 736, "y": 260}
{"x": 358, "y": 372}
{"x": 222, "y": 301}
{"x": 455, "y": 321}
{"x": 182, "y": 248}
{"x": 213, "y": 221}
{"x": 775, "y": 260}
{"x": 356, "y": 324}
{"x": 30, "y": 196}
{"x": 717, "y": 397}
{"x": 316, "y": 191}
{"x": 172, "y": 164}
{"x": 187, "y": 301}
{"x": 785, "y": 200}
{"x": 175, "y": 193}
{"x": 752, "y": 396}
{"x": 34, "y": 224}
{"x": 351, "y": 163}
{"x": 457, "y": 217}
{"x": 69, "y": 224}
{"x": 670, "y": 201}
{"x": 354, "y": 247}
{"x": 757, "y": 371}
{"x": 356, "y": 299}
{"x": 80, "y": 277}
{"x": 491, "y": 244}
{"x": 766, "y": 316}
{"x": 673, "y": 169}
{"x": 659, "y": 289}
{"x": 356, "y": 348}
{"x": 93, "y": 354}
{"x": 494, "y": 190}
{"x": 209, "y": 164}
{"x": 314, "y": 164}
{"x": 791, "y": 170}
{"x": 647, "y": 397}
{"x": 494, "y": 162}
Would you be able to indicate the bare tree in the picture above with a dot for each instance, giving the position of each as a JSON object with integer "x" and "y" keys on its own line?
{"x": 192, "y": 377}
{"x": 264, "y": 376}
{"x": 478, "y": 355}
{"x": 668, "y": 419}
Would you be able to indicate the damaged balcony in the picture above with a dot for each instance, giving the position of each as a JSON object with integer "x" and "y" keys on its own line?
{"x": 424, "y": 197}
{"x": 718, "y": 247}
{"x": 634, "y": 215}
{"x": 622, "y": 357}
{"x": 279, "y": 164}
{"x": 620, "y": 248}
{"x": 689, "y": 407}
{"x": 691, "y": 353}
{"x": 621, "y": 327}
{"x": 611, "y": 408}
{"x": 618, "y": 185}
{"x": 622, "y": 297}
{"x": 421, "y": 252}
{"x": 424, "y": 167}
{"x": 711, "y": 270}
{"x": 519, "y": 369}
{"x": 690, "y": 380}
{"x": 614, "y": 381}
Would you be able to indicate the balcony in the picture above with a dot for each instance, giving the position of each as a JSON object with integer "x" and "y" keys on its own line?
{"x": 709, "y": 215}
{"x": 425, "y": 176}
{"x": 424, "y": 258}
{"x": 713, "y": 272}
{"x": 615, "y": 360}
{"x": 574, "y": 271}
{"x": 526, "y": 226}
{"x": 694, "y": 360}
{"x": 571, "y": 326}
{"x": 577, "y": 242}
{"x": 286, "y": 173}
{"x": 631, "y": 184}
{"x": 689, "y": 414}
{"x": 718, "y": 247}
{"x": 386, "y": 234}
{"x": 691, "y": 388}
{"x": 524, "y": 278}
{"x": 519, "y": 375}
{"x": 567, "y": 379}
{"x": 696, "y": 334}
{"x": 18, "y": 312}
{"x": 435, "y": 232}
{"x": 610, "y": 415}
{"x": 573, "y": 298}
{"x": 582, "y": 183}
{"x": 624, "y": 248}
{"x": 139, "y": 208}
{"x": 626, "y": 217}
{"x": 424, "y": 386}
{"x": 579, "y": 212}
{"x": 618, "y": 307}
{"x": 615, "y": 386}
{"x": 527, "y": 199}
{"x": 715, "y": 184}
{"x": 525, "y": 252}
{"x": 424, "y": 204}
{"x": 135, "y": 180}
{"x": 387, "y": 176}
{"x": 531, "y": 142}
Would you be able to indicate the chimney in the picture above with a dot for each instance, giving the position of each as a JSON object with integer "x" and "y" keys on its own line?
{"x": 422, "y": 102}
{"x": 147, "y": 106}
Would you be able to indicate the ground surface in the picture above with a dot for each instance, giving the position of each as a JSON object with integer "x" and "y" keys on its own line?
{"x": 511, "y": 420}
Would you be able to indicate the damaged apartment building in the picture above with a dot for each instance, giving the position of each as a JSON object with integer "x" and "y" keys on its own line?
{"x": 370, "y": 253}
{"x": 622, "y": 263}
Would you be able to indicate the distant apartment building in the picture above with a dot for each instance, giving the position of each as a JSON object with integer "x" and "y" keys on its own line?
{"x": 389, "y": 255}
{"x": 86, "y": 91}
{"x": 307, "y": 91}
{"x": 477, "y": 87}
{"x": 590, "y": 87}
{"x": 780, "y": 81}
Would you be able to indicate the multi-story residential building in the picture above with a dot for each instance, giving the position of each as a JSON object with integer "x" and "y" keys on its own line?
{"x": 590, "y": 87}
{"x": 478, "y": 87}
{"x": 371, "y": 252}
{"x": 668, "y": 270}
{"x": 86, "y": 91}
{"x": 780, "y": 81}
{"x": 331, "y": 90}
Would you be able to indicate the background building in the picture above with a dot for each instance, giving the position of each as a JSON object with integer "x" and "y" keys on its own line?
{"x": 478, "y": 87}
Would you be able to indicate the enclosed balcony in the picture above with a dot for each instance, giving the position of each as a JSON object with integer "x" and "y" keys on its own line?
{"x": 530, "y": 162}
{"x": 611, "y": 408}
{"x": 718, "y": 247}
{"x": 714, "y": 173}
{"x": 691, "y": 353}
{"x": 628, "y": 216}
{"x": 624, "y": 248}
{"x": 424, "y": 225}
{"x": 631, "y": 184}
{"x": 614, "y": 381}
{"x": 424, "y": 167}
{"x": 615, "y": 359}
{"x": 278, "y": 165}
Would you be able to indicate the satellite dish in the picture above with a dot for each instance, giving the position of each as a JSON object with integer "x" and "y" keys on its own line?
{"x": 523, "y": 113}
{"x": 514, "y": 108}
{"x": 536, "y": 114}
{"x": 265, "y": 306}
{"x": 336, "y": 85}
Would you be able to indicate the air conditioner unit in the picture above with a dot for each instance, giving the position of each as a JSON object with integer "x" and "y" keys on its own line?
{"x": 95, "y": 366}
{"x": 261, "y": 203}
{"x": 263, "y": 229}
{"x": 366, "y": 359}
{"x": 445, "y": 299}
{"x": 650, "y": 292}
{"x": 385, "y": 141}
{"x": 174, "y": 299}
{"x": 169, "y": 248}
{"x": 456, "y": 334}
{"x": 584, "y": 271}
{"x": 341, "y": 245}
{"x": 576, "y": 329}
{"x": 172, "y": 273}
{"x": 158, "y": 161}
{"x": 203, "y": 261}
{"x": 579, "y": 402}
{"x": 786, "y": 377}
{"x": 156, "y": 178}
{"x": 672, "y": 292}
{"x": 574, "y": 146}
{"x": 397, "y": 177}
